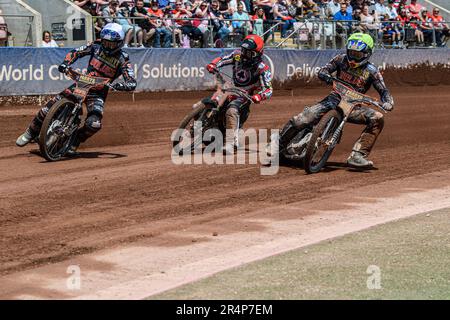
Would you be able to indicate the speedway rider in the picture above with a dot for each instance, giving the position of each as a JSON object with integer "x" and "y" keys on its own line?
{"x": 354, "y": 68}
{"x": 106, "y": 60}
{"x": 249, "y": 73}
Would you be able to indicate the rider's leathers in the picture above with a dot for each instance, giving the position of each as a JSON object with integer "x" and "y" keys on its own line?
{"x": 100, "y": 64}
{"x": 255, "y": 79}
{"x": 362, "y": 79}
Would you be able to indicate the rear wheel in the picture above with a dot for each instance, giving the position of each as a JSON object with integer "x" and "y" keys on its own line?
{"x": 319, "y": 147}
{"x": 59, "y": 129}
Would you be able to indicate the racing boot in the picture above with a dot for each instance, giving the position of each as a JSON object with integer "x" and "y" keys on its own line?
{"x": 25, "y": 138}
{"x": 358, "y": 160}
{"x": 287, "y": 133}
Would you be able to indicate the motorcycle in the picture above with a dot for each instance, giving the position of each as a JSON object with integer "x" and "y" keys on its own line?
{"x": 60, "y": 127}
{"x": 210, "y": 114}
{"x": 313, "y": 146}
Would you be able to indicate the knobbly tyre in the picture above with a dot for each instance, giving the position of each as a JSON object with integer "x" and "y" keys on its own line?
{"x": 210, "y": 114}
{"x": 312, "y": 146}
{"x": 59, "y": 129}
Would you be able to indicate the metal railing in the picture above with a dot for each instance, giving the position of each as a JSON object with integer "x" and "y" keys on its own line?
{"x": 306, "y": 33}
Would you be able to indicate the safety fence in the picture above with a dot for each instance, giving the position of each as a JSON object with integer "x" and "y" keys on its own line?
{"x": 34, "y": 71}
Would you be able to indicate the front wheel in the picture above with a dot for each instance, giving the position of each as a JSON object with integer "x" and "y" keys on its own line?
{"x": 59, "y": 129}
{"x": 186, "y": 140}
{"x": 320, "y": 145}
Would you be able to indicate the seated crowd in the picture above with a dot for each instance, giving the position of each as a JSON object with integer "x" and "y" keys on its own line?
{"x": 186, "y": 23}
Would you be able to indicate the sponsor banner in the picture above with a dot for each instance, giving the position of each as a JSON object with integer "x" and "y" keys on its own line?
{"x": 34, "y": 71}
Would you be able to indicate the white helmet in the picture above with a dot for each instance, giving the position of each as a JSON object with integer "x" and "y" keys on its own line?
{"x": 112, "y": 36}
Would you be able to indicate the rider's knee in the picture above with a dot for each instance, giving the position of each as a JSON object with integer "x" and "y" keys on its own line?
{"x": 94, "y": 122}
{"x": 376, "y": 121}
{"x": 232, "y": 111}
{"x": 303, "y": 119}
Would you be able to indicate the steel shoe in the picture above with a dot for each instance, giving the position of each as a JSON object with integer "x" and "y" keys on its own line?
{"x": 358, "y": 160}
{"x": 25, "y": 138}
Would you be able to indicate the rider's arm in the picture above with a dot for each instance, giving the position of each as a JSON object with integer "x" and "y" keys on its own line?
{"x": 75, "y": 54}
{"x": 332, "y": 66}
{"x": 266, "y": 83}
{"x": 129, "y": 83}
{"x": 225, "y": 60}
{"x": 380, "y": 86}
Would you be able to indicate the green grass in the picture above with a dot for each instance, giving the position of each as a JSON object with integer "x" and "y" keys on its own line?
{"x": 413, "y": 256}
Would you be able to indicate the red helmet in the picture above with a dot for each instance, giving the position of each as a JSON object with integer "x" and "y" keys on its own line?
{"x": 252, "y": 49}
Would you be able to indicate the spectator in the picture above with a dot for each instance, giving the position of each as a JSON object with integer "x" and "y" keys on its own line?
{"x": 267, "y": 6}
{"x": 224, "y": 6}
{"x": 400, "y": 4}
{"x": 47, "y": 41}
{"x": 258, "y": 22}
{"x": 143, "y": 20}
{"x": 188, "y": 30}
{"x": 129, "y": 29}
{"x": 414, "y": 9}
{"x": 440, "y": 28}
{"x": 404, "y": 20}
{"x": 295, "y": 9}
{"x": 94, "y": 7}
{"x": 381, "y": 9}
{"x": 426, "y": 26}
{"x": 163, "y": 4}
{"x": 3, "y": 31}
{"x": 202, "y": 22}
{"x": 369, "y": 22}
{"x": 219, "y": 26}
{"x": 110, "y": 12}
{"x": 333, "y": 7}
{"x": 392, "y": 11}
{"x": 241, "y": 26}
{"x": 280, "y": 12}
{"x": 341, "y": 17}
{"x": 391, "y": 30}
{"x": 310, "y": 9}
{"x": 161, "y": 31}
{"x": 357, "y": 4}
{"x": 414, "y": 25}
{"x": 169, "y": 14}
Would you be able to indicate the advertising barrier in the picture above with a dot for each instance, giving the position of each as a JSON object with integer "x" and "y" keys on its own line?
{"x": 34, "y": 71}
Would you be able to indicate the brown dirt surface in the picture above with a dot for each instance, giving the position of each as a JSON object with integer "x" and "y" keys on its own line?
{"x": 124, "y": 187}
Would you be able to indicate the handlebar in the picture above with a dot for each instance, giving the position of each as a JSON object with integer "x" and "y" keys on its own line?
{"x": 240, "y": 92}
{"x": 97, "y": 81}
{"x": 364, "y": 100}
{"x": 369, "y": 102}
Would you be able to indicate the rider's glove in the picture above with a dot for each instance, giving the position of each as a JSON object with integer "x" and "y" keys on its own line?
{"x": 63, "y": 67}
{"x": 119, "y": 86}
{"x": 212, "y": 68}
{"x": 388, "y": 106}
{"x": 256, "y": 98}
{"x": 327, "y": 78}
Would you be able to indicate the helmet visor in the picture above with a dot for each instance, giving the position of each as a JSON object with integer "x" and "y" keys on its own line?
{"x": 356, "y": 55}
{"x": 248, "y": 54}
{"x": 110, "y": 45}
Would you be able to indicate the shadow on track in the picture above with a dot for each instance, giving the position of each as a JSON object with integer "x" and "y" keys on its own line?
{"x": 87, "y": 155}
{"x": 329, "y": 167}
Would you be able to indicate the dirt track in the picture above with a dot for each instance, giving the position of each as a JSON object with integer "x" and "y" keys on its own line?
{"x": 125, "y": 186}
